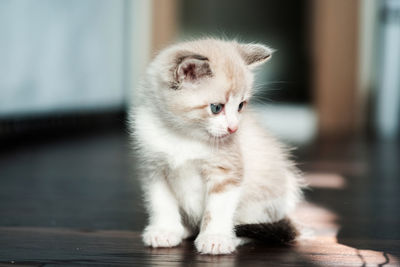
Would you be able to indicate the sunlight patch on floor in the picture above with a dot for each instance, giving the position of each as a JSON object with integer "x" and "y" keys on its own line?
{"x": 318, "y": 240}
{"x": 325, "y": 180}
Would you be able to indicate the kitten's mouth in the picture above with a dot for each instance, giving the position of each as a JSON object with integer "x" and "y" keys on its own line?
{"x": 223, "y": 136}
{"x": 219, "y": 136}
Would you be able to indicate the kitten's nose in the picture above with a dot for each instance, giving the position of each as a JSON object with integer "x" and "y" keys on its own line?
{"x": 232, "y": 129}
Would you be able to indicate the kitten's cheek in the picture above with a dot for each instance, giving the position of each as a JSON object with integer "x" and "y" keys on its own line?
{"x": 211, "y": 130}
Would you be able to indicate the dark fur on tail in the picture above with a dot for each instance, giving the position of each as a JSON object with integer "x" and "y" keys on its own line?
{"x": 282, "y": 232}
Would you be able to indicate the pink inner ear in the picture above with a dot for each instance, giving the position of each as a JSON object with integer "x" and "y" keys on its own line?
{"x": 190, "y": 71}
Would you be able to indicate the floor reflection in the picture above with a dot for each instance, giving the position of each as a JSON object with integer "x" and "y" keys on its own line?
{"x": 317, "y": 246}
{"x": 319, "y": 242}
{"x": 350, "y": 216}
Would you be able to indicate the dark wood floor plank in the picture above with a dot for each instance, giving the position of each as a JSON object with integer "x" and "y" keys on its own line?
{"x": 42, "y": 246}
{"x": 78, "y": 202}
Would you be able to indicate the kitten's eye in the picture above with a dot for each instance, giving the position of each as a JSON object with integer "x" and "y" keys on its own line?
{"x": 240, "y": 106}
{"x": 216, "y": 108}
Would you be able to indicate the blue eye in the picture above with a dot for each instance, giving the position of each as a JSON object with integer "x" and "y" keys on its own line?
{"x": 216, "y": 108}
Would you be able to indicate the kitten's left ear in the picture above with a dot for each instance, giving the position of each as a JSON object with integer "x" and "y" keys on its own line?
{"x": 254, "y": 54}
{"x": 191, "y": 68}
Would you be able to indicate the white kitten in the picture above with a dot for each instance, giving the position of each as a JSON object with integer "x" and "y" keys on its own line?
{"x": 208, "y": 166}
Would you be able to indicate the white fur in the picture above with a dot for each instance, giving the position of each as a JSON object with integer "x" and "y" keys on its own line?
{"x": 176, "y": 148}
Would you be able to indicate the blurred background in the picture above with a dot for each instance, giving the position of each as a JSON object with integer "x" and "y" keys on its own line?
{"x": 335, "y": 72}
{"x": 67, "y": 64}
{"x": 68, "y": 70}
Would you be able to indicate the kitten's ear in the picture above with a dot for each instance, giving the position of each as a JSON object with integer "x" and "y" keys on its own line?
{"x": 254, "y": 54}
{"x": 191, "y": 68}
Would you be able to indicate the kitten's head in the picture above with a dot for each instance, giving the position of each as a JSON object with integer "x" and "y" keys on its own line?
{"x": 201, "y": 88}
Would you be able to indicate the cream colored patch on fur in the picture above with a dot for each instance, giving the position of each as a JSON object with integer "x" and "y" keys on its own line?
{"x": 206, "y": 220}
{"x": 224, "y": 185}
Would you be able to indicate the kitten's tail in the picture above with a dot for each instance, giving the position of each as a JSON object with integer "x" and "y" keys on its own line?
{"x": 282, "y": 232}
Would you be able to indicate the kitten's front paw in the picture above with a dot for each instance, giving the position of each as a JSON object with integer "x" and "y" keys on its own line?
{"x": 157, "y": 237}
{"x": 215, "y": 244}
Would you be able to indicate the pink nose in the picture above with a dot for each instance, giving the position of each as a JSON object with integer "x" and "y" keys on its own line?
{"x": 232, "y": 129}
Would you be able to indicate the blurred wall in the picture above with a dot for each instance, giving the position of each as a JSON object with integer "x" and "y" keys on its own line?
{"x": 387, "y": 117}
{"x": 335, "y": 42}
{"x": 61, "y": 55}
{"x": 281, "y": 24}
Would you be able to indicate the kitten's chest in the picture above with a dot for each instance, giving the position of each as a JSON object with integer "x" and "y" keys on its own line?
{"x": 189, "y": 188}
{"x": 180, "y": 152}
{"x": 177, "y": 150}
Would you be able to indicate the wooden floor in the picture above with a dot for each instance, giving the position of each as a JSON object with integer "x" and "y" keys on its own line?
{"x": 76, "y": 201}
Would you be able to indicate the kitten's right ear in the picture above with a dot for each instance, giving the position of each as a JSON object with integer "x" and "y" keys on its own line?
{"x": 191, "y": 68}
{"x": 254, "y": 54}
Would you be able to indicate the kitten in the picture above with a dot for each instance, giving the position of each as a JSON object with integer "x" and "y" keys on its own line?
{"x": 208, "y": 166}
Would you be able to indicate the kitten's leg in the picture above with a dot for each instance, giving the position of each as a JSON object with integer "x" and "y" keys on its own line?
{"x": 217, "y": 229}
{"x": 165, "y": 228}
